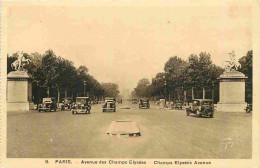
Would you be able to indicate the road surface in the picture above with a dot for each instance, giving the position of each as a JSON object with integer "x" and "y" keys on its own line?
{"x": 165, "y": 134}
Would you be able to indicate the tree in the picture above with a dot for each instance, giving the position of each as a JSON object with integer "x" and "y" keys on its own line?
{"x": 246, "y": 68}
{"x": 141, "y": 87}
{"x": 10, "y": 60}
{"x": 158, "y": 85}
{"x": 174, "y": 69}
{"x": 110, "y": 89}
{"x": 201, "y": 73}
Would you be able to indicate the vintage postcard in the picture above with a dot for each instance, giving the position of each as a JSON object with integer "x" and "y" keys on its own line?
{"x": 127, "y": 83}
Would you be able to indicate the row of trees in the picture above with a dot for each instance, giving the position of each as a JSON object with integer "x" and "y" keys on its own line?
{"x": 57, "y": 77}
{"x": 194, "y": 78}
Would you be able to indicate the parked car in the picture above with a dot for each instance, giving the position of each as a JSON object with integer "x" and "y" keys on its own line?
{"x": 81, "y": 106}
{"x": 178, "y": 104}
{"x": 67, "y": 103}
{"x": 249, "y": 108}
{"x": 144, "y": 103}
{"x": 134, "y": 101}
{"x": 201, "y": 107}
{"x": 48, "y": 104}
{"x": 110, "y": 104}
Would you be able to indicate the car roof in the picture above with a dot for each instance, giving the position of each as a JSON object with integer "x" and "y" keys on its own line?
{"x": 49, "y": 98}
{"x": 203, "y": 99}
{"x": 110, "y": 98}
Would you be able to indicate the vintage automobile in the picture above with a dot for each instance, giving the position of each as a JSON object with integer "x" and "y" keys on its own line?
{"x": 178, "y": 104}
{"x": 144, "y": 103}
{"x": 248, "y": 108}
{"x": 81, "y": 106}
{"x": 134, "y": 101}
{"x": 162, "y": 104}
{"x": 201, "y": 107}
{"x": 48, "y": 104}
{"x": 119, "y": 101}
{"x": 110, "y": 104}
{"x": 67, "y": 103}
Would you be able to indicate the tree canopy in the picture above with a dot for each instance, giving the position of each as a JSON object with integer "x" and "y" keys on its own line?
{"x": 58, "y": 75}
{"x": 197, "y": 72}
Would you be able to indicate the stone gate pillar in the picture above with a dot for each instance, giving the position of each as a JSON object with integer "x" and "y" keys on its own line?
{"x": 232, "y": 92}
{"x": 18, "y": 91}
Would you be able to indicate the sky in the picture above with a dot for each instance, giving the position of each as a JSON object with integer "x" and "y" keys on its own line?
{"x": 124, "y": 43}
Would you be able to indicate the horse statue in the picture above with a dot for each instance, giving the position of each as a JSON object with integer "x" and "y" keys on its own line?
{"x": 232, "y": 64}
{"x": 19, "y": 64}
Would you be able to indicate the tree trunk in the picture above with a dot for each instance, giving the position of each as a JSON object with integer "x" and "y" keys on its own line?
{"x": 58, "y": 96}
{"x": 185, "y": 96}
{"x": 48, "y": 91}
{"x": 203, "y": 91}
{"x": 66, "y": 93}
{"x": 192, "y": 93}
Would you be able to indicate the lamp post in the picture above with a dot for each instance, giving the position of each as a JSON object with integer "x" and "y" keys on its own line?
{"x": 85, "y": 88}
{"x": 165, "y": 85}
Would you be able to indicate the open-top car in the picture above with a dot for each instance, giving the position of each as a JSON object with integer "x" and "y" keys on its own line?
{"x": 81, "y": 106}
{"x": 201, "y": 107}
{"x": 144, "y": 103}
{"x": 110, "y": 104}
{"x": 134, "y": 101}
{"x": 178, "y": 104}
{"x": 48, "y": 104}
{"x": 67, "y": 103}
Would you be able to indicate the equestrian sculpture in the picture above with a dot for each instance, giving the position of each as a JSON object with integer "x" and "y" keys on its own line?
{"x": 19, "y": 64}
{"x": 232, "y": 64}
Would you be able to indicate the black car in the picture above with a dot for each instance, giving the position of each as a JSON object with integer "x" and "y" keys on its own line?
{"x": 81, "y": 106}
{"x": 144, "y": 103}
{"x": 201, "y": 107}
{"x": 48, "y": 104}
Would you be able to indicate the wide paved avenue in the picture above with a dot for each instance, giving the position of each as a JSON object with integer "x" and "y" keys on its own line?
{"x": 165, "y": 133}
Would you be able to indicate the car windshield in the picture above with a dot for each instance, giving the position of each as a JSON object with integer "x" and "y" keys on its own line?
{"x": 46, "y": 99}
{"x": 81, "y": 100}
{"x": 110, "y": 99}
{"x": 206, "y": 103}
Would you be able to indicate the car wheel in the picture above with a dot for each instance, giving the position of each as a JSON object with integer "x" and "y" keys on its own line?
{"x": 197, "y": 113}
{"x": 187, "y": 112}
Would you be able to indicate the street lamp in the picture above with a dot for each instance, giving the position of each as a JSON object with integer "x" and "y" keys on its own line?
{"x": 85, "y": 88}
{"x": 165, "y": 87}
{"x": 212, "y": 95}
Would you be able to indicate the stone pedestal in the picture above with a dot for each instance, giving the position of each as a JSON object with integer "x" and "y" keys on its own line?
{"x": 232, "y": 92}
{"x": 18, "y": 91}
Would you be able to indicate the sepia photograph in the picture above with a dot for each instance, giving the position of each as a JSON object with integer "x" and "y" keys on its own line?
{"x": 171, "y": 82}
